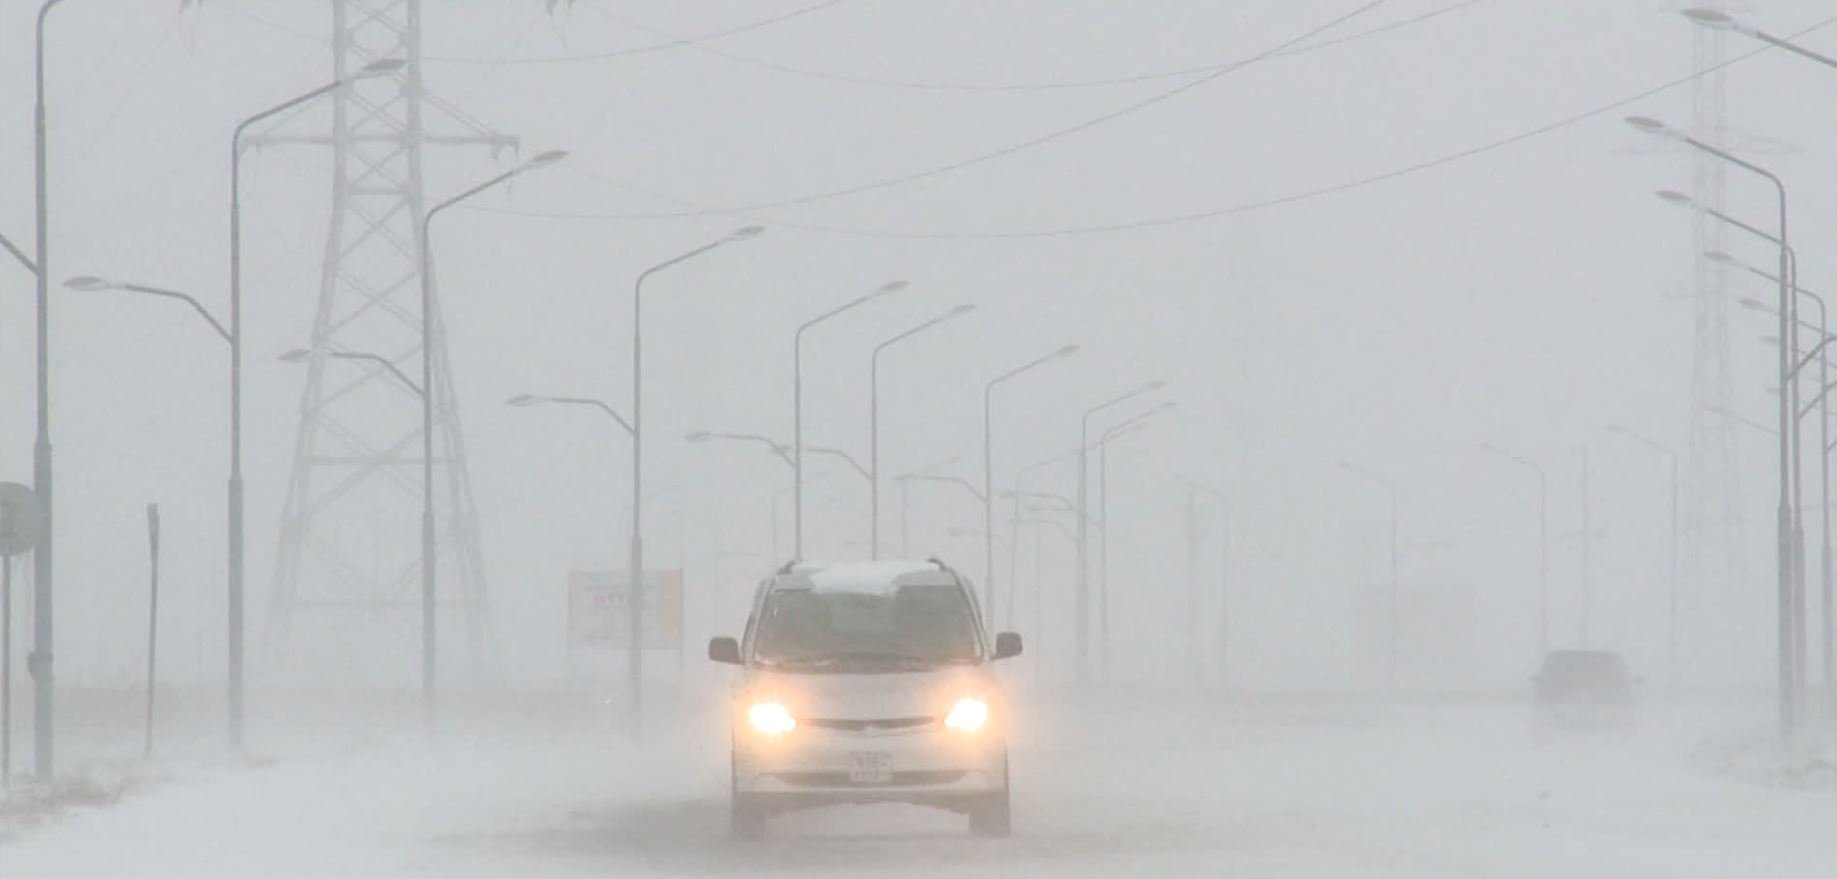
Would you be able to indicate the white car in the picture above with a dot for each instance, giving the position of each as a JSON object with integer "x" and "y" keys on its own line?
{"x": 868, "y": 683}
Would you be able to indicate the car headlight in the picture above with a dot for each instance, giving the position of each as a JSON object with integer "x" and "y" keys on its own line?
{"x": 968, "y": 715}
{"x": 770, "y": 718}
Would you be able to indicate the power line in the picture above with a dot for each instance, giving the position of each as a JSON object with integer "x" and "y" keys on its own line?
{"x": 1048, "y": 137}
{"x": 1045, "y": 85}
{"x": 671, "y": 42}
{"x": 1194, "y": 216}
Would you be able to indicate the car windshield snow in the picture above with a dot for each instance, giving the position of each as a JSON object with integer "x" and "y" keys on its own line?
{"x": 910, "y": 626}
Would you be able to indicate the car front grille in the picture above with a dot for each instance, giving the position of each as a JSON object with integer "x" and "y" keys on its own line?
{"x": 899, "y": 779}
{"x": 874, "y": 725}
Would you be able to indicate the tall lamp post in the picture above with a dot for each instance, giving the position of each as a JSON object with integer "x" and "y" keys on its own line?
{"x": 429, "y": 344}
{"x": 38, "y": 663}
{"x": 1828, "y": 624}
{"x": 236, "y": 554}
{"x": 1543, "y": 541}
{"x": 1103, "y": 533}
{"x": 635, "y": 650}
{"x": 873, "y": 456}
{"x": 1081, "y": 629}
{"x": 1390, "y": 489}
{"x": 988, "y": 466}
{"x": 1671, "y": 619}
{"x": 797, "y": 404}
{"x": 1785, "y": 544}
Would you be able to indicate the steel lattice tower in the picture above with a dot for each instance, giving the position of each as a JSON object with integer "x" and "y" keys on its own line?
{"x": 349, "y": 557}
{"x": 1714, "y": 511}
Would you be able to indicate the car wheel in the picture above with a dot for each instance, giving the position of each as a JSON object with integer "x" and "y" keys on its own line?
{"x": 991, "y": 818}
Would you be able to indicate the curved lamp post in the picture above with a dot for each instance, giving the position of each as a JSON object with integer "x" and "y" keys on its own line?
{"x": 873, "y": 456}
{"x": 988, "y": 466}
{"x": 1786, "y": 523}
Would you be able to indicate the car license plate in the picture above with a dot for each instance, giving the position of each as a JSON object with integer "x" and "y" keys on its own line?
{"x": 870, "y": 767}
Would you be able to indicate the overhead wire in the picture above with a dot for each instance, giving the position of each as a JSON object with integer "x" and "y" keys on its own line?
{"x": 1207, "y": 214}
{"x": 1048, "y": 137}
{"x": 672, "y": 42}
{"x": 1043, "y": 85}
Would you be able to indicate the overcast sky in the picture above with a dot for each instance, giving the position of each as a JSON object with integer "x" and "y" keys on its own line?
{"x": 1516, "y": 295}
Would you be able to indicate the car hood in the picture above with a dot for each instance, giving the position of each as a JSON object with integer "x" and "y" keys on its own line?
{"x": 849, "y": 696}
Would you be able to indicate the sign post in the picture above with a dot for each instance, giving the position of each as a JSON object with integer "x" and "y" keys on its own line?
{"x": 22, "y": 526}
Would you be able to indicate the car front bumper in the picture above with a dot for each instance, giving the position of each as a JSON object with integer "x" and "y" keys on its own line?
{"x": 812, "y": 766}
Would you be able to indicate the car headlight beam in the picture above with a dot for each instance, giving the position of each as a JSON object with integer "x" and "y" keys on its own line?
{"x": 770, "y": 718}
{"x": 968, "y": 715}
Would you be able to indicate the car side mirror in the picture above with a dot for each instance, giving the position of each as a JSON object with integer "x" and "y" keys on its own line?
{"x": 1007, "y": 645}
{"x": 724, "y": 650}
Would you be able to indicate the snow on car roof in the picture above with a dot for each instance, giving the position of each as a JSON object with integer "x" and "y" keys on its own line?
{"x": 873, "y": 577}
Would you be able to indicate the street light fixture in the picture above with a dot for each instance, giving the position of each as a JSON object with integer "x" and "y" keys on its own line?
{"x": 524, "y": 401}
{"x": 988, "y": 466}
{"x": 1716, "y": 19}
{"x": 1788, "y": 541}
{"x": 302, "y": 355}
{"x": 1827, "y": 618}
{"x": 635, "y": 656}
{"x": 874, "y": 414}
{"x": 797, "y": 401}
{"x": 1081, "y": 630}
{"x": 1121, "y": 429}
{"x": 429, "y": 394}
{"x": 1390, "y": 488}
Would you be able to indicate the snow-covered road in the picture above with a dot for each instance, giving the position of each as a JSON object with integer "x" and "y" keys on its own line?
{"x": 1138, "y": 791}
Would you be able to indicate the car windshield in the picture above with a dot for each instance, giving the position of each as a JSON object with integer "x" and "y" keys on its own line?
{"x": 918, "y": 625}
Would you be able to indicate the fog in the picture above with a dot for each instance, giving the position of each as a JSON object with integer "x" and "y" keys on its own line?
{"x": 1360, "y": 244}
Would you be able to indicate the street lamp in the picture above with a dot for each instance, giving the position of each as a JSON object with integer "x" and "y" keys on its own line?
{"x": 302, "y": 355}
{"x": 1390, "y": 488}
{"x": 1716, "y": 19}
{"x": 524, "y": 401}
{"x": 430, "y": 326}
{"x": 988, "y": 466}
{"x": 1671, "y": 625}
{"x": 635, "y": 656}
{"x": 874, "y": 414}
{"x": 1081, "y": 630}
{"x": 1786, "y": 543}
{"x": 236, "y": 574}
{"x": 1543, "y": 542}
{"x": 1014, "y": 525}
{"x": 90, "y": 283}
{"x": 797, "y": 403}
{"x": 1828, "y": 625}
{"x": 1121, "y": 429}
{"x": 39, "y": 662}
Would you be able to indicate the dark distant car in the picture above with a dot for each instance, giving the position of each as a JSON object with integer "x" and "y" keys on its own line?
{"x": 1584, "y": 690}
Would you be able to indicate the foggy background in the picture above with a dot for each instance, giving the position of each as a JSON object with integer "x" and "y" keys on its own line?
{"x": 1518, "y": 296}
